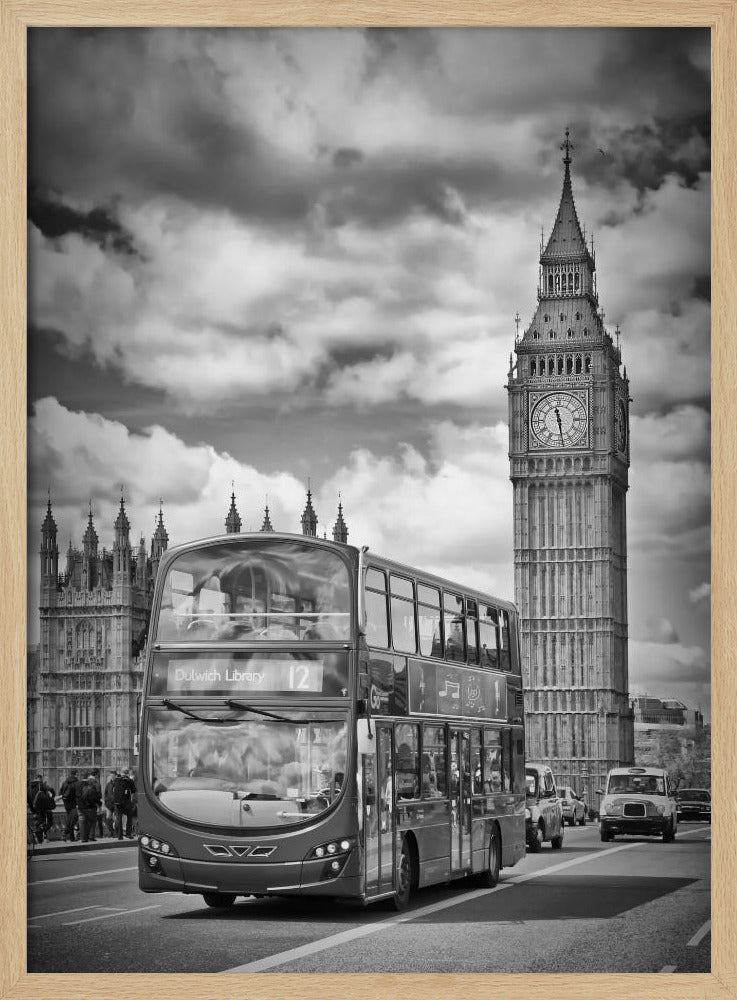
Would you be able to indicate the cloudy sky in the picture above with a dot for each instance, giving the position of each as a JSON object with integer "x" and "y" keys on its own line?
{"x": 265, "y": 256}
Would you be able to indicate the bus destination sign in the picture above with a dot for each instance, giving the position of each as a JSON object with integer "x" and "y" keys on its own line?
{"x": 443, "y": 689}
{"x": 223, "y": 675}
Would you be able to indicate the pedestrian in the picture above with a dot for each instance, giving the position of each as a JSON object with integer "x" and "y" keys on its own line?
{"x": 42, "y": 806}
{"x": 110, "y": 805}
{"x": 69, "y": 798}
{"x": 95, "y": 777}
{"x": 88, "y": 799}
{"x": 123, "y": 791}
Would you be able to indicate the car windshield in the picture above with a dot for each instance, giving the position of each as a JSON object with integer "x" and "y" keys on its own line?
{"x": 532, "y": 783}
{"x": 694, "y": 795}
{"x": 227, "y": 769}
{"x": 255, "y": 591}
{"x": 636, "y": 784}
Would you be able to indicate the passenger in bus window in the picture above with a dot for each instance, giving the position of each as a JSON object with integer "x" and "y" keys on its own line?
{"x": 429, "y": 778}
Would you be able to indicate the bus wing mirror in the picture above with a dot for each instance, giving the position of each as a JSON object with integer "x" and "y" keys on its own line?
{"x": 365, "y": 737}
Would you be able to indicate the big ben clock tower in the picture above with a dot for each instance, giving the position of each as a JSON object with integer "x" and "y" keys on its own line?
{"x": 569, "y": 461}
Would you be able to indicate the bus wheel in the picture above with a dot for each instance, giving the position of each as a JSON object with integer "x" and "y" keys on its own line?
{"x": 404, "y": 878}
{"x": 219, "y": 900}
{"x": 490, "y": 877}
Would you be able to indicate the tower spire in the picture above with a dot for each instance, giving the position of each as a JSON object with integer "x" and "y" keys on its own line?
{"x": 267, "y": 525}
{"x": 309, "y": 517}
{"x": 567, "y": 145}
{"x": 233, "y": 520}
{"x": 340, "y": 529}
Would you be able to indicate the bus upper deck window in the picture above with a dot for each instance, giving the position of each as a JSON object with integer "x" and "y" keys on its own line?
{"x": 472, "y": 614}
{"x": 505, "y": 658}
{"x": 404, "y": 638}
{"x": 429, "y": 620}
{"x": 377, "y": 619}
{"x": 488, "y": 637}
{"x": 454, "y": 622}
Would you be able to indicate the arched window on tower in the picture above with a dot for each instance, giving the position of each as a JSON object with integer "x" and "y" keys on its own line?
{"x": 557, "y": 283}
{"x": 587, "y": 364}
{"x": 569, "y": 365}
{"x": 578, "y": 364}
{"x": 533, "y": 367}
{"x": 550, "y": 284}
{"x": 560, "y": 365}
{"x": 551, "y": 366}
{"x": 576, "y": 283}
{"x": 570, "y": 283}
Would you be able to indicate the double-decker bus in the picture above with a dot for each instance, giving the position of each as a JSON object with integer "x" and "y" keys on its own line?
{"x": 319, "y": 720}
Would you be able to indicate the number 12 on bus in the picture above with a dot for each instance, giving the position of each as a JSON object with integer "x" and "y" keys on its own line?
{"x": 319, "y": 720}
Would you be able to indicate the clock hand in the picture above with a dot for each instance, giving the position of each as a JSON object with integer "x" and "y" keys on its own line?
{"x": 560, "y": 426}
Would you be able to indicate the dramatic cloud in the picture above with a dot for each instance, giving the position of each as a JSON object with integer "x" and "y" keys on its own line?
{"x": 700, "y": 594}
{"x": 262, "y": 255}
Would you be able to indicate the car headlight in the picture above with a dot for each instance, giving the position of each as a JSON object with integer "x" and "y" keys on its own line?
{"x": 612, "y": 808}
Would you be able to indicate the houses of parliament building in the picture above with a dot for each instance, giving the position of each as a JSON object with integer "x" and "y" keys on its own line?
{"x": 84, "y": 685}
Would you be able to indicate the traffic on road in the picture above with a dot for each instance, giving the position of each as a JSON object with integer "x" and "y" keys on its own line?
{"x": 585, "y": 907}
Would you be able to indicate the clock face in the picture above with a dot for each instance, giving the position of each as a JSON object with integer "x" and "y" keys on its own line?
{"x": 620, "y": 426}
{"x": 559, "y": 420}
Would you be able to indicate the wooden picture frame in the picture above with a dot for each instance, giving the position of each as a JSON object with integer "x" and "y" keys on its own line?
{"x": 15, "y": 17}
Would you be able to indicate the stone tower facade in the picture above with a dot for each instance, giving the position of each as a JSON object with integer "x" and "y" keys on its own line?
{"x": 569, "y": 460}
{"x": 83, "y": 691}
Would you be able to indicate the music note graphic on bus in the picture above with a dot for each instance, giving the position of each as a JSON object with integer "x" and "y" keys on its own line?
{"x": 452, "y": 689}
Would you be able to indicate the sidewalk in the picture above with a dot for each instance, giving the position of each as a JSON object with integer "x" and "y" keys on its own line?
{"x": 62, "y": 847}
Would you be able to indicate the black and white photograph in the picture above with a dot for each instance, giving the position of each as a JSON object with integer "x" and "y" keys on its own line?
{"x": 369, "y": 500}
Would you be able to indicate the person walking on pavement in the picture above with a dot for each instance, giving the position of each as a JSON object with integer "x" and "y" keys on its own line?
{"x": 123, "y": 790}
{"x": 95, "y": 777}
{"x": 110, "y": 805}
{"x": 69, "y": 798}
{"x": 42, "y": 801}
{"x": 88, "y": 799}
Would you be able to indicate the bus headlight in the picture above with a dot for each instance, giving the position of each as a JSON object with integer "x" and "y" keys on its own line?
{"x": 332, "y": 848}
{"x": 153, "y": 846}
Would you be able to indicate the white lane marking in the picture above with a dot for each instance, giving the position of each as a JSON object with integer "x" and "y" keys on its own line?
{"x": 107, "y": 916}
{"x": 73, "y": 855}
{"x": 71, "y": 878}
{"x": 699, "y": 935}
{"x": 668, "y": 968}
{"x": 358, "y": 932}
{"x": 61, "y": 913}
{"x": 518, "y": 879}
{"x": 282, "y": 958}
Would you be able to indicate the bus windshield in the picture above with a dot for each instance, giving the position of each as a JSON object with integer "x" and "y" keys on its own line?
{"x": 211, "y": 768}
{"x": 258, "y": 590}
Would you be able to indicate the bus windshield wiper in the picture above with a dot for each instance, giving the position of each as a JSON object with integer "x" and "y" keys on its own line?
{"x": 186, "y": 711}
{"x": 259, "y": 711}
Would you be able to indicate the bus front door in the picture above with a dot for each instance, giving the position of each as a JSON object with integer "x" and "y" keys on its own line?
{"x": 379, "y": 819}
{"x": 460, "y": 800}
